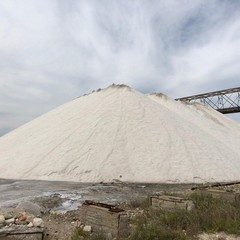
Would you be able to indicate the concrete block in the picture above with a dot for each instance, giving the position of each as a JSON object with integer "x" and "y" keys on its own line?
{"x": 170, "y": 202}
{"x": 33, "y": 236}
{"x": 102, "y": 218}
{"x": 21, "y": 232}
{"x": 217, "y": 193}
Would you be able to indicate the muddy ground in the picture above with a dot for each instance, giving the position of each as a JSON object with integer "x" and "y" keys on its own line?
{"x": 60, "y": 200}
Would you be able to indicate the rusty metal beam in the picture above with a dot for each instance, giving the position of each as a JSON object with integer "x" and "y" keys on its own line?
{"x": 225, "y": 101}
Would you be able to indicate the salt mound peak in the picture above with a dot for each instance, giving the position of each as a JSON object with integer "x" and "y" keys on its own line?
{"x": 112, "y": 86}
{"x": 120, "y": 133}
{"x": 119, "y": 86}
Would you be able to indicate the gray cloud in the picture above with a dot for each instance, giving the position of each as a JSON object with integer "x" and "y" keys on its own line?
{"x": 54, "y": 51}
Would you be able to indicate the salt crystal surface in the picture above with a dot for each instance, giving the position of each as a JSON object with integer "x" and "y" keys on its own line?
{"x": 121, "y": 134}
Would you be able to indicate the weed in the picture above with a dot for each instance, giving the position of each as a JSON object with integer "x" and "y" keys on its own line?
{"x": 209, "y": 215}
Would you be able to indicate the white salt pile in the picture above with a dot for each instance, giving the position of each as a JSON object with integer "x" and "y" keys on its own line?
{"x": 119, "y": 133}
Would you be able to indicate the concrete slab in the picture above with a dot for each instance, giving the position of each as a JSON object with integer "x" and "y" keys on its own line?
{"x": 170, "y": 202}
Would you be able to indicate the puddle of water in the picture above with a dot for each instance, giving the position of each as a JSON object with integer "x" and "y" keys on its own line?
{"x": 72, "y": 201}
{"x": 74, "y": 194}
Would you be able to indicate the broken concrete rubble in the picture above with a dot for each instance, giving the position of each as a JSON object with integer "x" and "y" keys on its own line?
{"x": 21, "y": 232}
{"x": 38, "y": 222}
{"x": 10, "y": 220}
{"x": 10, "y": 212}
{"x": 18, "y": 225}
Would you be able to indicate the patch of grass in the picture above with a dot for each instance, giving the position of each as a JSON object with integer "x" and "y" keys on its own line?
{"x": 143, "y": 203}
{"x": 78, "y": 233}
{"x": 209, "y": 215}
{"x": 158, "y": 225}
{"x": 215, "y": 215}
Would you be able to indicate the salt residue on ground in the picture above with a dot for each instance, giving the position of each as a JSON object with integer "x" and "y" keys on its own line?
{"x": 121, "y": 134}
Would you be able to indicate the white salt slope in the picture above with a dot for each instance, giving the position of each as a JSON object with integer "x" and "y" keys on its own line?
{"x": 119, "y": 133}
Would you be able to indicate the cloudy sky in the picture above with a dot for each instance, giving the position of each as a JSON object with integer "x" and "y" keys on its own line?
{"x": 53, "y": 51}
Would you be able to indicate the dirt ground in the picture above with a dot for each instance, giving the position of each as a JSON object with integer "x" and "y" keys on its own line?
{"x": 59, "y": 225}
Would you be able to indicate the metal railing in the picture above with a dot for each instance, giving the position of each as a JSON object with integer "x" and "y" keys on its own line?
{"x": 224, "y": 101}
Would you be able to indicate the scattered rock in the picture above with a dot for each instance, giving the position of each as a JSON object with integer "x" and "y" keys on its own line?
{"x": 30, "y": 224}
{"x": 38, "y": 222}
{"x": 10, "y": 212}
{"x": 10, "y": 220}
{"x": 22, "y": 216}
{"x": 87, "y": 228}
{"x": 30, "y": 218}
{"x": 2, "y": 219}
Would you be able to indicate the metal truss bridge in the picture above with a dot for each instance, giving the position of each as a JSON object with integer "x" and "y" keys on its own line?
{"x": 225, "y": 101}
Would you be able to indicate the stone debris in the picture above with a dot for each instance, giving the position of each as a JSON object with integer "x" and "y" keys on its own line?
{"x": 87, "y": 228}
{"x": 22, "y": 216}
{"x": 21, "y": 232}
{"x": 38, "y": 222}
{"x": 10, "y": 220}
{"x": 30, "y": 224}
{"x": 2, "y": 219}
{"x": 17, "y": 224}
{"x": 22, "y": 220}
{"x": 30, "y": 218}
{"x": 10, "y": 212}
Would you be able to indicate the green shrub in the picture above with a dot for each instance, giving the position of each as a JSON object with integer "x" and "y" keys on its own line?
{"x": 79, "y": 234}
{"x": 215, "y": 215}
{"x": 209, "y": 215}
